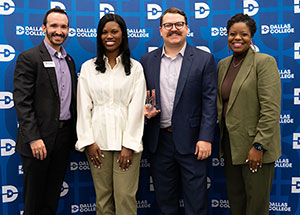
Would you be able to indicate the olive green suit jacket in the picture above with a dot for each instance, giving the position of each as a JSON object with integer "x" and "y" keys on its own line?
{"x": 253, "y": 110}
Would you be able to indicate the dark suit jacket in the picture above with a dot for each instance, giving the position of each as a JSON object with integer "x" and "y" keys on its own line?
{"x": 194, "y": 113}
{"x": 37, "y": 101}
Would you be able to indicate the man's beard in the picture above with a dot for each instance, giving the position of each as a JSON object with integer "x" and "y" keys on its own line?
{"x": 49, "y": 36}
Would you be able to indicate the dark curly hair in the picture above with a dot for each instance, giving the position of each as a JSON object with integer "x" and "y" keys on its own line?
{"x": 240, "y": 17}
{"x": 124, "y": 48}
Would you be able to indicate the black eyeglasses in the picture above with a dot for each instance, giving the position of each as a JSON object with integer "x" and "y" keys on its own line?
{"x": 169, "y": 26}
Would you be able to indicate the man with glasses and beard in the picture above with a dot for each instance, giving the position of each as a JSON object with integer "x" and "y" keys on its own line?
{"x": 180, "y": 128}
{"x": 45, "y": 104}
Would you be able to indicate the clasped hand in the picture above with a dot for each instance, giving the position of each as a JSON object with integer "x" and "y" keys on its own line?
{"x": 96, "y": 156}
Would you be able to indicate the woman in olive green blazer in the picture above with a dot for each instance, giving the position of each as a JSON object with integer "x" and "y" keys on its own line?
{"x": 249, "y": 98}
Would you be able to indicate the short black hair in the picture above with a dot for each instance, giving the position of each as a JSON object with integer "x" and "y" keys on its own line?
{"x": 173, "y": 10}
{"x": 54, "y": 10}
{"x": 240, "y": 17}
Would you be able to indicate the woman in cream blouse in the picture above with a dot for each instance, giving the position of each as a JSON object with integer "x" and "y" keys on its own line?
{"x": 111, "y": 97}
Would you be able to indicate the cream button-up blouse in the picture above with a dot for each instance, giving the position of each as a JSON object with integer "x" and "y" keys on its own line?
{"x": 110, "y": 106}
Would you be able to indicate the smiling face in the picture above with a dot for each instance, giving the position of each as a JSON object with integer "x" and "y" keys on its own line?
{"x": 111, "y": 37}
{"x": 239, "y": 38}
{"x": 56, "y": 29}
{"x": 173, "y": 37}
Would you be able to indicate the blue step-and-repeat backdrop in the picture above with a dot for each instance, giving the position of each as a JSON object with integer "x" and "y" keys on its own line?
{"x": 278, "y": 34}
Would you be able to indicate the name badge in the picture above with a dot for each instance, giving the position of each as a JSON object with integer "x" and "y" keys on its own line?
{"x": 48, "y": 64}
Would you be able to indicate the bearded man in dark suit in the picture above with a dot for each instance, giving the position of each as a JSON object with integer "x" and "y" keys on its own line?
{"x": 45, "y": 104}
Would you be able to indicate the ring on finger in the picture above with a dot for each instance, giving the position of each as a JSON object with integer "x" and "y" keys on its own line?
{"x": 91, "y": 158}
{"x": 128, "y": 161}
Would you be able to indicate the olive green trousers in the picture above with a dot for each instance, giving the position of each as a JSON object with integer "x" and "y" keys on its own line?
{"x": 248, "y": 193}
{"x": 116, "y": 189}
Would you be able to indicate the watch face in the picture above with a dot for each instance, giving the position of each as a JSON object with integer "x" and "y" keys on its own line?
{"x": 257, "y": 146}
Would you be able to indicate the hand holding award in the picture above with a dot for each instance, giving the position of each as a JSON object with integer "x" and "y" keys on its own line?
{"x": 150, "y": 106}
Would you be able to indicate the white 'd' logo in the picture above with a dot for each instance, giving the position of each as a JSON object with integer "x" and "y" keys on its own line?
{"x": 73, "y": 166}
{"x": 297, "y": 51}
{"x": 9, "y": 193}
{"x": 6, "y": 100}
{"x": 74, "y": 209}
{"x": 154, "y": 11}
{"x": 295, "y": 185}
{"x": 56, "y": 4}
{"x": 7, "y": 53}
{"x": 214, "y": 31}
{"x": 214, "y": 203}
{"x": 7, "y": 147}
{"x": 251, "y": 7}
{"x": 202, "y": 10}
{"x": 72, "y": 32}
{"x": 296, "y": 6}
{"x": 265, "y": 29}
{"x": 296, "y": 96}
{"x": 7, "y": 7}
{"x": 105, "y": 9}
{"x": 296, "y": 141}
{"x": 64, "y": 189}
{"x": 151, "y": 185}
{"x": 208, "y": 182}
{"x": 20, "y": 30}
{"x": 20, "y": 170}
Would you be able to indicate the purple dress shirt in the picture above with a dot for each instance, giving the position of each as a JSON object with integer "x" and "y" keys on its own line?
{"x": 169, "y": 74}
{"x": 63, "y": 77}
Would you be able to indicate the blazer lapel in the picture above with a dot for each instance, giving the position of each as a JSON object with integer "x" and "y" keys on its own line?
{"x": 184, "y": 71}
{"x": 223, "y": 72}
{"x": 72, "y": 72}
{"x": 240, "y": 78}
{"x": 51, "y": 70}
{"x": 156, "y": 75}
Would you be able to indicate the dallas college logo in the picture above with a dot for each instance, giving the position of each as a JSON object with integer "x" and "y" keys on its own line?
{"x": 105, "y": 8}
{"x": 6, "y": 100}
{"x": 154, "y": 11}
{"x": 296, "y": 6}
{"x": 202, "y": 10}
{"x": 7, "y": 52}
{"x": 7, "y": 147}
{"x": 295, "y": 185}
{"x": 297, "y": 51}
{"x": 9, "y": 193}
{"x": 7, "y": 7}
{"x": 251, "y": 7}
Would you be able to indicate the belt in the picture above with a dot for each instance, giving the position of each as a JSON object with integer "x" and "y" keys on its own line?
{"x": 63, "y": 123}
{"x": 168, "y": 129}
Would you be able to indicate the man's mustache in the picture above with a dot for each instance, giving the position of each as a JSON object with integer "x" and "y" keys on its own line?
{"x": 60, "y": 35}
{"x": 174, "y": 32}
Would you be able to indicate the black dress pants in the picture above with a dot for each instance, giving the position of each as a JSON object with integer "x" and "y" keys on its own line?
{"x": 43, "y": 178}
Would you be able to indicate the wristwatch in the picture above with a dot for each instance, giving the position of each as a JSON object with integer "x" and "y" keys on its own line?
{"x": 257, "y": 146}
